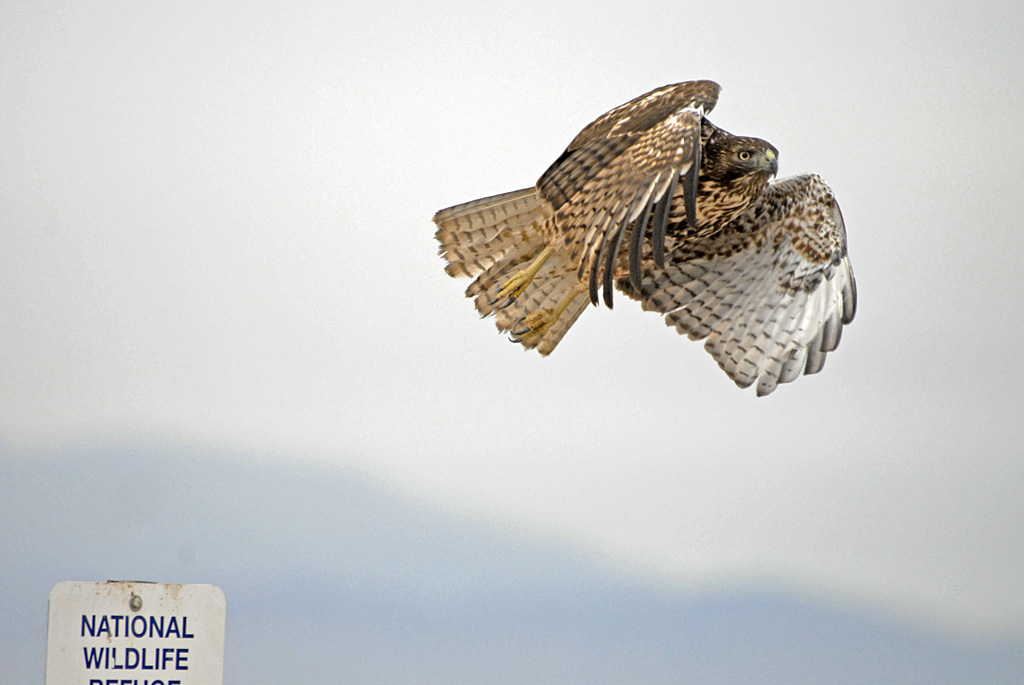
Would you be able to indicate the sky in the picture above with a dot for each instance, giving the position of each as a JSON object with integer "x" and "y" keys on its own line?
{"x": 333, "y": 576}
{"x": 215, "y": 230}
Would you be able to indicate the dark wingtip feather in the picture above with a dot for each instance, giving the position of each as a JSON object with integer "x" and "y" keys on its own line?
{"x": 815, "y": 360}
{"x": 661, "y": 213}
{"x": 691, "y": 181}
{"x": 609, "y": 263}
{"x": 635, "y": 248}
{"x": 593, "y": 282}
{"x": 850, "y": 301}
{"x": 595, "y": 264}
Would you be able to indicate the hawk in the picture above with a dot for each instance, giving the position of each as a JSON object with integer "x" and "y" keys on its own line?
{"x": 656, "y": 201}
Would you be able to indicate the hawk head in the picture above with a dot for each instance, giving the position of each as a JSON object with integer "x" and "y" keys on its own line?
{"x": 729, "y": 158}
{"x": 734, "y": 171}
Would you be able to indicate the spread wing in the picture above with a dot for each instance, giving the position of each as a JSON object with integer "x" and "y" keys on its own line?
{"x": 624, "y": 167}
{"x": 771, "y": 293}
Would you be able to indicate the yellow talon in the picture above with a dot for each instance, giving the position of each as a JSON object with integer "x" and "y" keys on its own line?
{"x": 536, "y": 324}
{"x": 533, "y": 325}
{"x": 515, "y": 286}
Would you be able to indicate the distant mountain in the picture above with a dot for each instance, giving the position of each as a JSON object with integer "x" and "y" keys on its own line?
{"x": 331, "y": 577}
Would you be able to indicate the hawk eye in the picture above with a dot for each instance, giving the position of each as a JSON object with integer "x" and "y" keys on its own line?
{"x": 744, "y": 155}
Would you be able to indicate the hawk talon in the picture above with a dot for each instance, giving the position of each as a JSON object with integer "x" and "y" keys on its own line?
{"x": 512, "y": 289}
{"x": 498, "y": 297}
{"x": 533, "y": 325}
{"x": 515, "y": 286}
{"x": 517, "y": 332}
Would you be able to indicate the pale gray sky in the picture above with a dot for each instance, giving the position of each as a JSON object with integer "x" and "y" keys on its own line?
{"x": 215, "y": 227}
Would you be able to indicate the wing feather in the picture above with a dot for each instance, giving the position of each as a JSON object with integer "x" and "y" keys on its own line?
{"x": 771, "y": 293}
{"x": 625, "y": 166}
{"x": 792, "y": 369}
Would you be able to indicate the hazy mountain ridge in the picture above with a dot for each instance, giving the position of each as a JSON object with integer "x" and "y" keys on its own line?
{"x": 332, "y": 576}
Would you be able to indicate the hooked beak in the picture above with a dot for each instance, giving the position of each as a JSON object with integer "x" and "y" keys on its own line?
{"x": 772, "y": 162}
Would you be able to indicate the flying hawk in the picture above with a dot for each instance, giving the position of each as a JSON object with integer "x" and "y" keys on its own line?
{"x": 655, "y": 200}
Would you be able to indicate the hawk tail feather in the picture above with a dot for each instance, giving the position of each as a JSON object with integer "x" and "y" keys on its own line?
{"x": 492, "y": 239}
{"x": 475, "y": 235}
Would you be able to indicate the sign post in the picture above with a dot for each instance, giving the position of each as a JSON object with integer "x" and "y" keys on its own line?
{"x": 135, "y": 633}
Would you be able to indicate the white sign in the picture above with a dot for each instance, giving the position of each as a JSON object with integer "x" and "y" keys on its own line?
{"x": 133, "y": 633}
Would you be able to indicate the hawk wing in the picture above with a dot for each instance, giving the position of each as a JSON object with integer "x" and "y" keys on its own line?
{"x": 771, "y": 293}
{"x": 622, "y": 168}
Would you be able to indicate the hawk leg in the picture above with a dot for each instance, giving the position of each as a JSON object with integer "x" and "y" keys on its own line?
{"x": 515, "y": 286}
{"x": 535, "y": 324}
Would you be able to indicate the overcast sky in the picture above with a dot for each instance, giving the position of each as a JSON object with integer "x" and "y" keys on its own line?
{"x": 215, "y": 228}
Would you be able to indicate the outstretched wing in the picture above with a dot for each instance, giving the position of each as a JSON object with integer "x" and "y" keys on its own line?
{"x": 771, "y": 293}
{"x": 623, "y": 168}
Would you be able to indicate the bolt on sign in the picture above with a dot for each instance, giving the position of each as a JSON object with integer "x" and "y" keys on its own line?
{"x": 135, "y": 633}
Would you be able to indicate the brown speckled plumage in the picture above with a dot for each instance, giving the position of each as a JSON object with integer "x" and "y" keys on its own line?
{"x": 757, "y": 267}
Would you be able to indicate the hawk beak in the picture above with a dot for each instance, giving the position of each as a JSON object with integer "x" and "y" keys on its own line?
{"x": 773, "y": 162}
